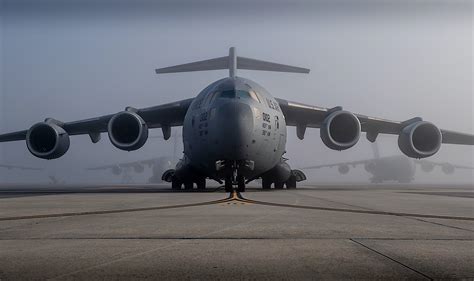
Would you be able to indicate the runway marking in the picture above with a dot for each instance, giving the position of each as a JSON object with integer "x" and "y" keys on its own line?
{"x": 233, "y": 199}
{"x": 177, "y": 243}
{"x": 240, "y": 198}
{"x": 114, "y": 211}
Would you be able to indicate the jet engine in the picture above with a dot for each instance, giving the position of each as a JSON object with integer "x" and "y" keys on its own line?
{"x": 340, "y": 130}
{"x": 47, "y": 140}
{"x": 127, "y": 131}
{"x": 343, "y": 169}
{"x": 420, "y": 139}
{"x": 447, "y": 168}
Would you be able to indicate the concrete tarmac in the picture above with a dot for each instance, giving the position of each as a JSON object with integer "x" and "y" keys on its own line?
{"x": 314, "y": 232}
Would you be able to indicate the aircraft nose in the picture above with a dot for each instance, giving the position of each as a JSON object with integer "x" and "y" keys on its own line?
{"x": 236, "y": 124}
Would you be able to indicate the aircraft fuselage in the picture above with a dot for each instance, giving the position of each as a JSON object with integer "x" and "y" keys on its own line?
{"x": 236, "y": 122}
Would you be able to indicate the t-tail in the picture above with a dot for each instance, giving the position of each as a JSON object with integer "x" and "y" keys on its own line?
{"x": 232, "y": 62}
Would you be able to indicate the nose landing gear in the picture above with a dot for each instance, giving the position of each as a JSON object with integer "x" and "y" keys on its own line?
{"x": 235, "y": 178}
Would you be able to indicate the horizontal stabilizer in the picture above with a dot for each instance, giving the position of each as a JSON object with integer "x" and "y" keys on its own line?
{"x": 253, "y": 64}
{"x": 232, "y": 62}
{"x": 212, "y": 64}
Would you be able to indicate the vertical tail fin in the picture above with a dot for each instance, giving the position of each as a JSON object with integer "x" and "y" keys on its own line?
{"x": 231, "y": 62}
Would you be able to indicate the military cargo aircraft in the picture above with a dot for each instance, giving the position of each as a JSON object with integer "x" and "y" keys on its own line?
{"x": 234, "y": 130}
{"x": 158, "y": 166}
{"x": 392, "y": 168}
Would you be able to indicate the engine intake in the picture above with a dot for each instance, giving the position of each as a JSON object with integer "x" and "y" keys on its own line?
{"x": 47, "y": 140}
{"x": 127, "y": 131}
{"x": 340, "y": 130}
{"x": 420, "y": 139}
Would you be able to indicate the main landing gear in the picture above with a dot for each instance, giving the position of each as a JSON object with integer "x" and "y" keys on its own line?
{"x": 290, "y": 183}
{"x": 189, "y": 185}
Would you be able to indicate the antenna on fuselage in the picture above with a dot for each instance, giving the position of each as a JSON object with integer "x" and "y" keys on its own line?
{"x": 231, "y": 62}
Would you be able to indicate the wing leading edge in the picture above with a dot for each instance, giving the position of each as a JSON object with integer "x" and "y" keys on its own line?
{"x": 169, "y": 115}
{"x": 302, "y": 115}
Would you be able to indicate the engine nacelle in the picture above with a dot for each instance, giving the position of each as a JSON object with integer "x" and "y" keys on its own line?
{"x": 47, "y": 140}
{"x": 447, "y": 168}
{"x": 343, "y": 169}
{"x": 127, "y": 131}
{"x": 420, "y": 139}
{"x": 340, "y": 130}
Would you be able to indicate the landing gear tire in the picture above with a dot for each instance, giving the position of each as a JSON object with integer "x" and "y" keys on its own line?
{"x": 266, "y": 184}
{"x": 240, "y": 184}
{"x": 279, "y": 185}
{"x": 291, "y": 182}
{"x": 188, "y": 185}
{"x": 228, "y": 185}
{"x": 175, "y": 185}
{"x": 201, "y": 184}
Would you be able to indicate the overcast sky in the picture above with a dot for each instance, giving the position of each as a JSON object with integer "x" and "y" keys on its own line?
{"x": 78, "y": 59}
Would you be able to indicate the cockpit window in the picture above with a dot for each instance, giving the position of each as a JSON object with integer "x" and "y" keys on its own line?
{"x": 239, "y": 94}
{"x": 242, "y": 95}
{"x": 254, "y": 96}
{"x": 228, "y": 94}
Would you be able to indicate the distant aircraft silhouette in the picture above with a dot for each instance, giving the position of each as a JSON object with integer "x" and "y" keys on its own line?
{"x": 391, "y": 168}
{"x": 158, "y": 165}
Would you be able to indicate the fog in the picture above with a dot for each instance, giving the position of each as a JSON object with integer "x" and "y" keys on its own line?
{"x": 78, "y": 59}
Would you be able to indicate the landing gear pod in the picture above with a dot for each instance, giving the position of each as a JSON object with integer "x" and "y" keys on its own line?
{"x": 47, "y": 140}
{"x": 340, "y": 130}
{"x": 420, "y": 139}
{"x": 127, "y": 131}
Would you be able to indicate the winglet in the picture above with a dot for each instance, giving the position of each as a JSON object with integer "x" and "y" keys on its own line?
{"x": 232, "y": 62}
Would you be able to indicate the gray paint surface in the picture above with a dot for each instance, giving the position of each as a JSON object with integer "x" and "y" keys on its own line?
{"x": 73, "y": 61}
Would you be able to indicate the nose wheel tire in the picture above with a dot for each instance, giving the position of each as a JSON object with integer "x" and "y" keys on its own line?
{"x": 228, "y": 184}
{"x": 240, "y": 184}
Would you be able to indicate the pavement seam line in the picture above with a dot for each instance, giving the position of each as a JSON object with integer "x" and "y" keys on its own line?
{"x": 177, "y": 243}
{"x": 358, "y": 211}
{"x": 371, "y": 209}
{"x": 390, "y": 258}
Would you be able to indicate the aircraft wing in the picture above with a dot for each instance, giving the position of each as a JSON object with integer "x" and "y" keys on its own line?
{"x": 19, "y": 167}
{"x": 299, "y": 114}
{"x": 170, "y": 114}
{"x": 351, "y": 163}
